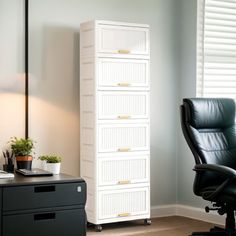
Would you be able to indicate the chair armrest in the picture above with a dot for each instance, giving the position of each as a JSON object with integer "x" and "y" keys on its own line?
{"x": 223, "y": 170}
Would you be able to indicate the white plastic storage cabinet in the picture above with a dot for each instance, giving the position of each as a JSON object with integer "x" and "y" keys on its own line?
{"x": 114, "y": 109}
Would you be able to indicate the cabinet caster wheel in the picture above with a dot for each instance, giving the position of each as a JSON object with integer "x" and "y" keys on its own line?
{"x": 147, "y": 221}
{"x": 98, "y": 228}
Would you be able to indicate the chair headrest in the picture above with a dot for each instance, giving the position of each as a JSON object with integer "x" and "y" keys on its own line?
{"x": 203, "y": 113}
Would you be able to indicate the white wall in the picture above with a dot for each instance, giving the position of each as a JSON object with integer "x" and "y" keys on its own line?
{"x": 11, "y": 71}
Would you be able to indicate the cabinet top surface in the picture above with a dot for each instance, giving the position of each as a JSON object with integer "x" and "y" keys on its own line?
{"x": 20, "y": 180}
{"x": 118, "y": 23}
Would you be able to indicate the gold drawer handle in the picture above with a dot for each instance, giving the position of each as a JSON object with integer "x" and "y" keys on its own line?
{"x": 123, "y": 84}
{"x": 124, "y": 182}
{"x": 123, "y": 149}
{"x": 123, "y": 214}
{"x": 124, "y": 117}
{"x": 123, "y": 51}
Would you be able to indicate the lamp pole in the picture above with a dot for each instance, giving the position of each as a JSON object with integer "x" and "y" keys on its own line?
{"x": 26, "y": 68}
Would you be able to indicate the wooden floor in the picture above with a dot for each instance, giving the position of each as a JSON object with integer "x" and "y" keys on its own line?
{"x": 166, "y": 226}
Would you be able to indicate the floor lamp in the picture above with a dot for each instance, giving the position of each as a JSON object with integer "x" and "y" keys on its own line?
{"x": 26, "y": 69}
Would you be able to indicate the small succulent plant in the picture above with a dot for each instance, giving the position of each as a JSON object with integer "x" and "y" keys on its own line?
{"x": 50, "y": 158}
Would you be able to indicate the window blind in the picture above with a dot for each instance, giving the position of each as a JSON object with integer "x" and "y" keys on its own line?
{"x": 216, "y": 48}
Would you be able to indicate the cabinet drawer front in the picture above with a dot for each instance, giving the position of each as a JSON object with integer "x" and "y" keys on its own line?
{"x": 123, "y": 40}
{"x": 40, "y": 196}
{"x": 123, "y": 137}
{"x": 123, "y": 73}
{"x": 123, "y": 170}
{"x": 60, "y": 223}
{"x": 123, "y": 203}
{"x": 123, "y": 105}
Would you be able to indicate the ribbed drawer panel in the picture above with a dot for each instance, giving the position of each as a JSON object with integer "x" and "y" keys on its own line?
{"x": 123, "y": 73}
{"x": 123, "y": 137}
{"x": 123, "y": 39}
{"x": 123, "y": 105}
{"x": 123, "y": 203}
{"x": 123, "y": 170}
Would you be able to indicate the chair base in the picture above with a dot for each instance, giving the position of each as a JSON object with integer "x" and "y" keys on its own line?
{"x": 216, "y": 231}
{"x": 219, "y": 233}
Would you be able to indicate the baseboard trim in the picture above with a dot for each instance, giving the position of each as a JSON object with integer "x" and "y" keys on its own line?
{"x": 187, "y": 211}
{"x": 164, "y": 210}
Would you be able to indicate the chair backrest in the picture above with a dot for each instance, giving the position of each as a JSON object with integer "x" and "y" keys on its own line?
{"x": 209, "y": 128}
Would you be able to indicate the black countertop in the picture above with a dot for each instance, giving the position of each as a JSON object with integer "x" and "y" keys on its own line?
{"x": 20, "y": 180}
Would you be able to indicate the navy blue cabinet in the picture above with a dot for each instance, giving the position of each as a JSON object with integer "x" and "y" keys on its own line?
{"x": 43, "y": 206}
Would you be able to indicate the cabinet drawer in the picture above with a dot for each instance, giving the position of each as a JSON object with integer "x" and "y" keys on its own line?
{"x": 123, "y": 137}
{"x": 123, "y": 170}
{"x": 42, "y": 196}
{"x": 124, "y": 40}
{"x": 123, "y": 105}
{"x": 123, "y": 74}
{"x": 123, "y": 203}
{"x": 59, "y": 223}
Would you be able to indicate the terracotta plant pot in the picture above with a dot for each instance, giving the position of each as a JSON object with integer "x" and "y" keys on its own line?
{"x": 24, "y": 162}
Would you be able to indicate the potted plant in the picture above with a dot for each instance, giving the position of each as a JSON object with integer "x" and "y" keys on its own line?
{"x": 53, "y": 163}
{"x": 23, "y": 150}
{"x": 9, "y": 161}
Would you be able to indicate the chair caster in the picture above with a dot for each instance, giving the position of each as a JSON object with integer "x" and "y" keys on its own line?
{"x": 98, "y": 228}
{"x": 147, "y": 222}
{"x": 89, "y": 224}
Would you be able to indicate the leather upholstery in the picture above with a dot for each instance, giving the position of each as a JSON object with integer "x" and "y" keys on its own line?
{"x": 210, "y": 113}
{"x": 209, "y": 128}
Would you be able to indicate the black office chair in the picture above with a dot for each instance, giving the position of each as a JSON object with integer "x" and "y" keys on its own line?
{"x": 209, "y": 128}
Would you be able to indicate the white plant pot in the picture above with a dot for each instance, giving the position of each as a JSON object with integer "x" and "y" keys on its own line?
{"x": 54, "y": 168}
{"x": 44, "y": 165}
